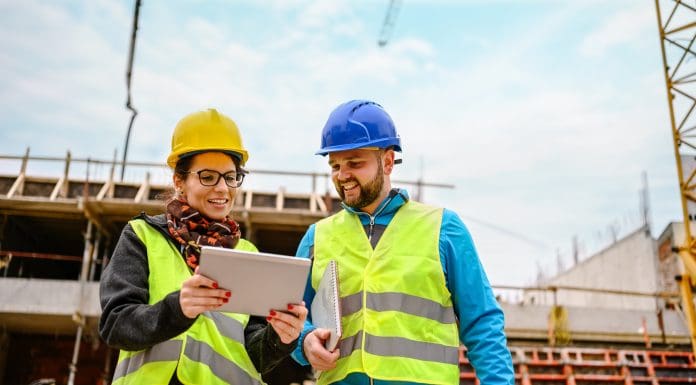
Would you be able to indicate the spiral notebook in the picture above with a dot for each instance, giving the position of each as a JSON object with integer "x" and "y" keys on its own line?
{"x": 326, "y": 306}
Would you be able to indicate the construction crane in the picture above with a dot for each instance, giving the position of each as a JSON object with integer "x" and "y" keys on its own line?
{"x": 389, "y": 21}
{"x": 677, "y": 36}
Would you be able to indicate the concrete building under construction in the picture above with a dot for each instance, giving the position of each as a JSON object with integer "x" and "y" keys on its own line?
{"x": 57, "y": 233}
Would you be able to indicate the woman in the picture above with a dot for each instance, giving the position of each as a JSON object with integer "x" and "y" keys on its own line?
{"x": 157, "y": 309}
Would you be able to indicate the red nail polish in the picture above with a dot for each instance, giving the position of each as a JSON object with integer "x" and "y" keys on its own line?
{"x": 273, "y": 312}
{"x": 290, "y": 307}
{"x": 268, "y": 318}
{"x": 228, "y": 294}
{"x": 225, "y": 300}
{"x": 215, "y": 285}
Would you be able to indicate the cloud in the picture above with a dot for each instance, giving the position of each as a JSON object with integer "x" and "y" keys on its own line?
{"x": 321, "y": 14}
{"x": 621, "y": 28}
{"x": 54, "y": 79}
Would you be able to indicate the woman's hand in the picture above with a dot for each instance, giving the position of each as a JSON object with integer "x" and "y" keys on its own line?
{"x": 288, "y": 325}
{"x": 200, "y": 294}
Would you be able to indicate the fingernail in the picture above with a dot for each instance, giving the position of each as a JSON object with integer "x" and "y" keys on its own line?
{"x": 215, "y": 285}
{"x": 273, "y": 312}
{"x": 290, "y": 307}
{"x": 268, "y": 318}
{"x": 225, "y": 300}
{"x": 228, "y": 294}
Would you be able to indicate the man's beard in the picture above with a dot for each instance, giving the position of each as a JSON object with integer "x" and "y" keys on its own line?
{"x": 369, "y": 191}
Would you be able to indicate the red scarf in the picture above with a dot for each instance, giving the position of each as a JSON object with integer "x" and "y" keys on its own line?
{"x": 193, "y": 230}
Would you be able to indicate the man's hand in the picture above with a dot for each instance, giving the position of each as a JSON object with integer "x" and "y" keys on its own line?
{"x": 316, "y": 353}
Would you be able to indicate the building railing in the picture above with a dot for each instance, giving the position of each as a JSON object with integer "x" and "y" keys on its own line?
{"x": 554, "y": 290}
{"x": 158, "y": 173}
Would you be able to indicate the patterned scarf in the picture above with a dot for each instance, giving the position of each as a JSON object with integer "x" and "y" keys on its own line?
{"x": 192, "y": 230}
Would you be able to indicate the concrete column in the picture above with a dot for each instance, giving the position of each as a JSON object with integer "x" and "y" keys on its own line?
{"x": 4, "y": 349}
{"x": 107, "y": 375}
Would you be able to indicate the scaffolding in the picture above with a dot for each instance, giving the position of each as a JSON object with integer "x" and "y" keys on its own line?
{"x": 592, "y": 366}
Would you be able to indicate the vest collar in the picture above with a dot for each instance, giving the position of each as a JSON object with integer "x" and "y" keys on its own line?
{"x": 159, "y": 222}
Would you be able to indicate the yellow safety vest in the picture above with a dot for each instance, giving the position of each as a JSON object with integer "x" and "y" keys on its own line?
{"x": 397, "y": 315}
{"x": 211, "y": 351}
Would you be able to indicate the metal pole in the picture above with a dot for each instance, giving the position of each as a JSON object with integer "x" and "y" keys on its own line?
{"x": 76, "y": 353}
{"x": 87, "y": 254}
{"x": 25, "y": 160}
{"x": 77, "y": 317}
{"x": 7, "y": 267}
{"x": 95, "y": 257}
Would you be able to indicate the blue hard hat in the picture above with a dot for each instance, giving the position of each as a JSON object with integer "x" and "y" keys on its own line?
{"x": 358, "y": 124}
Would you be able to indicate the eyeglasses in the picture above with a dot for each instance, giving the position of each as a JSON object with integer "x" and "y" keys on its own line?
{"x": 212, "y": 178}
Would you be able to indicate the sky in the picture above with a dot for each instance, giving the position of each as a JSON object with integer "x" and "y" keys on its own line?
{"x": 543, "y": 114}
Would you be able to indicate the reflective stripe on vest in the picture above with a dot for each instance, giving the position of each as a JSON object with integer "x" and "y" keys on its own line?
{"x": 211, "y": 351}
{"x": 402, "y": 347}
{"x": 165, "y": 351}
{"x": 221, "y": 367}
{"x": 404, "y": 303}
{"x": 397, "y": 314}
{"x": 228, "y": 327}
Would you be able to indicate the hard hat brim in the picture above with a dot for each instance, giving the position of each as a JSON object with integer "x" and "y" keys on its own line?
{"x": 240, "y": 157}
{"x": 385, "y": 143}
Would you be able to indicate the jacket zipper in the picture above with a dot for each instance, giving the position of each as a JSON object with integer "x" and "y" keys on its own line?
{"x": 372, "y": 217}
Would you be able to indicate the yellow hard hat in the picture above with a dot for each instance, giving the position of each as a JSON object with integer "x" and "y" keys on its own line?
{"x": 206, "y": 131}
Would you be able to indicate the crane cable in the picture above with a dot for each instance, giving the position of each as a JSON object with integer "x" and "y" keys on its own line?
{"x": 129, "y": 72}
{"x": 389, "y": 21}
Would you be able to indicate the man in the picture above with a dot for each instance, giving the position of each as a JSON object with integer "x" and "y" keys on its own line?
{"x": 411, "y": 284}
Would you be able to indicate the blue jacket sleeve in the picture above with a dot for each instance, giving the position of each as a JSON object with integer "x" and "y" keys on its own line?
{"x": 305, "y": 250}
{"x": 481, "y": 320}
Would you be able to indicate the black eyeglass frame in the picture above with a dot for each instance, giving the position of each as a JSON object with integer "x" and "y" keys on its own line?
{"x": 239, "y": 177}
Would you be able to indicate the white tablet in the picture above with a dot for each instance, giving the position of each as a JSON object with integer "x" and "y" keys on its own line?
{"x": 259, "y": 282}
